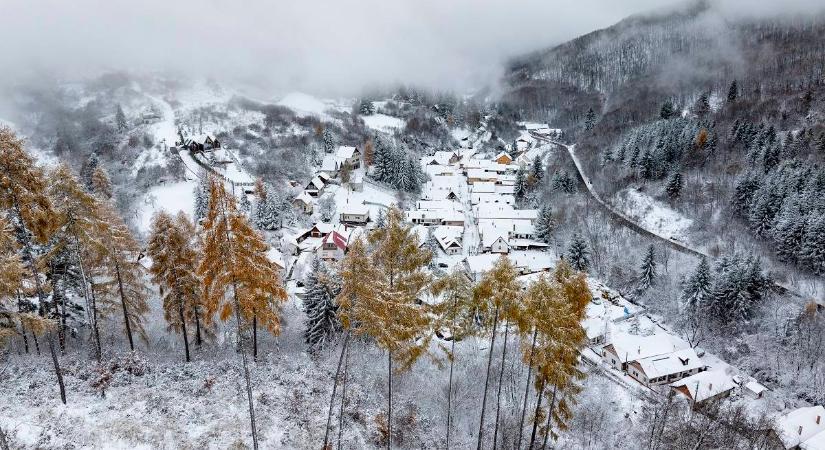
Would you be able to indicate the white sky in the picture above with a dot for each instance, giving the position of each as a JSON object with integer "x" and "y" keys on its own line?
{"x": 319, "y": 46}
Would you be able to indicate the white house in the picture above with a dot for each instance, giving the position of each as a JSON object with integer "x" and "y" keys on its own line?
{"x": 355, "y": 214}
{"x": 802, "y": 428}
{"x": 304, "y": 202}
{"x": 480, "y": 175}
{"x": 348, "y": 155}
{"x": 315, "y": 186}
{"x": 625, "y": 348}
{"x": 333, "y": 247}
{"x": 664, "y": 369}
{"x": 754, "y": 389}
{"x": 330, "y": 165}
{"x": 710, "y": 385}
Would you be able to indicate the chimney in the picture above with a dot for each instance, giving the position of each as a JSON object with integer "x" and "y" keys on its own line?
{"x": 800, "y": 430}
{"x": 710, "y": 386}
{"x": 818, "y": 419}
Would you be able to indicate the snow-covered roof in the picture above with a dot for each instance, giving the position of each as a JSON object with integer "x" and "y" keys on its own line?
{"x": 352, "y": 209}
{"x": 505, "y": 155}
{"x": 800, "y": 428}
{"x": 453, "y": 216}
{"x": 316, "y": 182}
{"x": 422, "y": 214}
{"x": 705, "y": 385}
{"x": 339, "y": 239}
{"x": 528, "y": 261}
{"x": 330, "y": 163}
{"x": 630, "y": 347}
{"x": 441, "y": 204}
{"x": 481, "y": 174}
{"x": 484, "y": 187}
{"x": 304, "y": 198}
{"x": 755, "y": 387}
{"x": 489, "y": 197}
{"x": 503, "y": 211}
{"x": 275, "y": 257}
{"x": 670, "y": 363}
{"x": 345, "y": 151}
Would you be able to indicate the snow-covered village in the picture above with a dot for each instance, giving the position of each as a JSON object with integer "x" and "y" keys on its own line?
{"x": 552, "y": 257}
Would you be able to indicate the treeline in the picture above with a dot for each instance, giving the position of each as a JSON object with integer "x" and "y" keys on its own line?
{"x": 384, "y": 291}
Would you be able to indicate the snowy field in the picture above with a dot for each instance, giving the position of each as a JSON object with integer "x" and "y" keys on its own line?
{"x": 653, "y": 215}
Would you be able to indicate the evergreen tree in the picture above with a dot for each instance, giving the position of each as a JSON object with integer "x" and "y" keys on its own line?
{"x": 101, "y": 186}
{"x": 174, "y": 256}
{"x": 120, "y": 120}
{"x": 738, "y": 287}
{"x": 696, "y": 290}
{"x": 812, "y": 246}
{"x": 329, "y": 141}
{"x": 88, "y": 169}
{"x": 244, "y": 205}
{"x": 234, "y": 258}
{"x": 520, "y": 188}
{"x": 674, "y": 186}
{"x": 384, "y": 305}
{"x": 648, "y": 169}
{"x": 578, "y": 254}
{"x": 733, "y": 92}
{"x": 536, "y": 170}
{"x": 201, "y": 196}
{"x": 667, "y": 111}
{"x": 381, "y": 220}
{"x": 648, "y": 269}
{"x": 590, "y": 120}
{"x": 431, "y": 244}
{"x": 702, "y": 106}
{"x": 366, "y": 107}
{"x": 545, "y": 225}
{"x": 322, "y": 322}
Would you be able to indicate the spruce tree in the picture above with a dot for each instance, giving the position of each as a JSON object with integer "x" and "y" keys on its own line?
{"x": 733, "y": 92}
{"x": 696, "y": 290}
{"x": 92, "y": 162}
{"x": 648, "y": 269}
{"x": 812, "y": 247}
{"x": 120, "y": 119}
{"x": 667, "y": 111}
{"x": 322, "y": 322}
{"x": 537, "y": 170}
{"x": 520, "y": 188}
{"x": 101, "y": 186}
{"x": 674, "y": 186}
{"x": 546, "y": 224}
{"x": 590, "y": 120}
{"x": 201, "y": 196}
{"x": 578, "y": 254}
{"x": 244, "y": 205}
{"x": 329, "y": 141}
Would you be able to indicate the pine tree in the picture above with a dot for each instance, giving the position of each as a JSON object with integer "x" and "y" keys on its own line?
{"x": 366, "y": 108}
{"x": 234, "y": 258}
{"x": 648, "y": 269}
{"x": 497, "y": 298}
{"x": 244, "y": 205}
{"x": 812, "y": 246}
{"x": 696, "y": 290}
{"x": 369, "y": 152}
{"x": 23, "y": 197}
{"x": 381, "y": 220}
{"x": 456, "y": 313}
{"x": 578, "y": 254}
{"x": 667, "y": 111}
{"x": 702, "y": 106}
{"x": 733, "y": 92}
{"x": 120, "y": 120}
{"x": 674, "y": 186}
{"x": 174, "y": 255}
{"x": 431, "y": 244}
{"x": 546, "y": 224}
{"x": 322, "y": 322}
{"x": 385, "y": 306}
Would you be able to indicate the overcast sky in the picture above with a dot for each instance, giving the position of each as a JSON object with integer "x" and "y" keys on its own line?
{"x": 319, "y": 46}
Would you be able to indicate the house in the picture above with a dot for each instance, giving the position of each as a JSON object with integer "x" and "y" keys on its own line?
{"x": 444, "y": 204}
{"x": 504, "y": 158}
{"x": 450, "y": 246}
{"x": 483, "y": 188}
{"x": 596, "y": 329}
{"x": 453, "y": 218}
{"x": 315, "y": 186}
{"x": 480, "y": 175}
{"x": 449, "y": 239}
{"x": 802, "y": 428}
{"x": 333, "y": 246}
{"x": 201, "y": 142}
{"x": 355, "y": 214}
{"x": 754, "y": 389}
{"x": 348, "y": 155}
{"x": 330, "y": 165}
{"x": 707, "y": 386}
{"x": 484, "y": 197}
{"x": 495, "y": 243}
{"x": 625, "y": 348}
{"x": 664, "y": 369}
{"x": 443, "y": 158}
{"x": 356, "y": 181}
{"x": 304, "y": 202}
{"x": 276, "y": 259}
{"x": 497, "y": 211}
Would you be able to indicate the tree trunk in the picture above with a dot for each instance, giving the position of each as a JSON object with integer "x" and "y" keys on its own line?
{"x": 487, "y": 378}
{"x": 57, "y": 370}
{"x": 90, "y": 303}
{"x": 23, "y": 333}
{"x": 450, "y": 391}
{"x": 527, "y": 388}
{"x": 183, "y": 328}
{"x": 549, "y": 418}
{"x": 344, "y": 346}
{"x": 343, "y": 400}
{"x": 36, "y": 344}
{"x": 254, "y": 336}
{"x": 245, "y": 369}
{"x": 95, "y": 329}
{"x": 126, "y": 320}
{"x": 536, "y": 415}
{"x": 389, "y": 409}
{"x": 500, "y": 382}
{"x": 198, "y": 340}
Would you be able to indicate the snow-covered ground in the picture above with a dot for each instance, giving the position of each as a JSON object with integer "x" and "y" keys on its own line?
{"x": 172, "y": 198}
{"x": 653, "y": 215}
{"x": 383, "y": 122}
